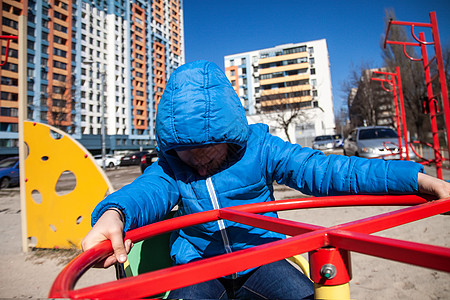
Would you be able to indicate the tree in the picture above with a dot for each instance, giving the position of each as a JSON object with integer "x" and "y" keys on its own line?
{"x": 368, "y": 103}
{"x": 284, "y": 111}
{"x": 286, "y": 118}
{"x": 62, "y": 97}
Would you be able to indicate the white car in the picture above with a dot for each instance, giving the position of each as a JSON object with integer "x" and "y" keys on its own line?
{"x": 110, "y": 161}
{"x": 375, "y": 142}
{"x": 323, "y": 142}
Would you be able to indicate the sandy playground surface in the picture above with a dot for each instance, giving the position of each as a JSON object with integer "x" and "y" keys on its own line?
{"x": 30, "y": 275}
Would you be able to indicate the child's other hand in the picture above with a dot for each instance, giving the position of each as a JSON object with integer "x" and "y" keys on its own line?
{"x": 433, "y": 186}
{"x": 108, "y": 227}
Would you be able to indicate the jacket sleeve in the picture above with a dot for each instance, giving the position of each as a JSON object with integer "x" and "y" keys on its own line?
{"x": 148, "y": 199}
{"x": 313, "y": 173}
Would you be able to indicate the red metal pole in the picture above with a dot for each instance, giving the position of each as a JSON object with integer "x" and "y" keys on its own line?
{"x": 434, "y": 129}
{"x": 397, "y": 116}
{"x": 442, "y": 78}
{"x": 401, "y": 122}
{"x": 7, "y": 38}
{"x": 402, "y": 108}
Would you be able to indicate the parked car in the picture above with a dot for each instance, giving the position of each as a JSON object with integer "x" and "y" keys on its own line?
{"x": 375, "y": 142}
{"x": 338, "y": 141}
{"x": 323, "y": 142}
{"x": 9, "y": 172}
{"x": 147, "y": 159}
{"x": 132, "y": 159}
{"x": 110, "y": 161}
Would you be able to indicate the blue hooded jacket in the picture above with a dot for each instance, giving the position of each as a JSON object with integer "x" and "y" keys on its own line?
{"x": 200, "y": 107}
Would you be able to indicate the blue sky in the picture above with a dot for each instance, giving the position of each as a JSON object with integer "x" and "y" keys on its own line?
{"x": 353, "y": 29}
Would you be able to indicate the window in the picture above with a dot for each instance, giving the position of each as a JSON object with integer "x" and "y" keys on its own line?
{"x": 60, "y": 28}
{"x": 30, "y": 45}
{"x": 11, "y": 53}
{"x": 30, "y": 31}
{"x": 11, "y": 67}
{"x": 60, "y": 16}
{"x": 313, "y": 71}
{"x": 59, "y": 77}
{"x": 58, "y": 90}
{"x": 9, "y": 81}
{"x": 58, "y": 64}
{"x": 59, "y": 52}
{"x": 10, "y": 23}
{"x": 30, "y": 58}
{"x": 294, "y": 50}
{"x": 9, "y": 96}
{"x": 59, "y": 40}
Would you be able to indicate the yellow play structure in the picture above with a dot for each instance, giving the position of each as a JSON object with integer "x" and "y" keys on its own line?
{"x": 59, "y": 218}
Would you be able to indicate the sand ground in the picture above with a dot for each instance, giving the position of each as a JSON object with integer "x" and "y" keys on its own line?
{"x": 30, "y": 275}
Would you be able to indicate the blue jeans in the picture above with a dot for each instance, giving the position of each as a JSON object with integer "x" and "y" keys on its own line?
{"x": 278, "y": 280}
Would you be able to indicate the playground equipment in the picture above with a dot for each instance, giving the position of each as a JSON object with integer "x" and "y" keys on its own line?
{"x": 55, "y": 219}
{"x": 329, "y": 248}
{"x": 395, "y": 82}
{"x": 8, "y": 39}
{"x": 432, "y": 103}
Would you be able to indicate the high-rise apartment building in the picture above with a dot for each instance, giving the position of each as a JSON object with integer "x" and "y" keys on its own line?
{"x": 89, "y": 57}
{"x": 286, "y": 77}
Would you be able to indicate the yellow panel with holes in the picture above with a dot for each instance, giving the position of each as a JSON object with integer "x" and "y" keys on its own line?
{"x": 63, "y": 184}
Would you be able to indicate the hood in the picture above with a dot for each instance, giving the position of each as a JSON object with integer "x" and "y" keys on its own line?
{"x": 199, "y": 107}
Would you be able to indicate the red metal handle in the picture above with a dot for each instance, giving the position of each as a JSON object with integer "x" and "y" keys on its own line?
{"x": 305, "y": 237}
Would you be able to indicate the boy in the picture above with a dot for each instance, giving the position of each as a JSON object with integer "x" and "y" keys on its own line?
{"x": 209, "y": 157}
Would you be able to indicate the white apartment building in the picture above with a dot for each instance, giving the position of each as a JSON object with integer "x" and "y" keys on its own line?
{"x": 282, "y": 79}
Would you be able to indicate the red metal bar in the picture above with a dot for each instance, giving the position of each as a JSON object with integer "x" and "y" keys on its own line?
{"x": 334, "y": 201}
{"x": 422, "y": 43}
{"x": 401, "y": 121}
{"x": 402, "y": 109}
{"x": 269, "y": 223}
{"x": 441, "y": 72}
{"x": 184, "y": 275}
{"x": 7, "y": 38}
{"x": 396, "y": 218}
{"x": 179, "y": 276}
{"x": 432, "y": 106}
{"x": 411, "y": 23}
{"x": 429, "y": 256}
{"x": 397, "y": 115}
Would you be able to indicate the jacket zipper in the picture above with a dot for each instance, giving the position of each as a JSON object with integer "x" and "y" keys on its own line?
{"x": 221, "y": 223}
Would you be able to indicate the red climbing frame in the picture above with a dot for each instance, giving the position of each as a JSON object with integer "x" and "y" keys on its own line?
{"x": 353, "y": 236}
{"x": 395, "y": 81}
{"x": 8, "y": 39}
{"x": 433, "y": 99}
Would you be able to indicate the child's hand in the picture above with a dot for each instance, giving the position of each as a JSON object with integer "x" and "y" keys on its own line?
{"x": 108, "y": 227}
{"x": 433, "y": 186}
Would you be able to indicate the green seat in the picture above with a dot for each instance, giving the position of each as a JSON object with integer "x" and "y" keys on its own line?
{"x": 148, "y": 255}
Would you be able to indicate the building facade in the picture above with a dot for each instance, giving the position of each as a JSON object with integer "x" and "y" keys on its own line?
{"x": 92, "y": 65}
{"x": 279, "y": 80}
